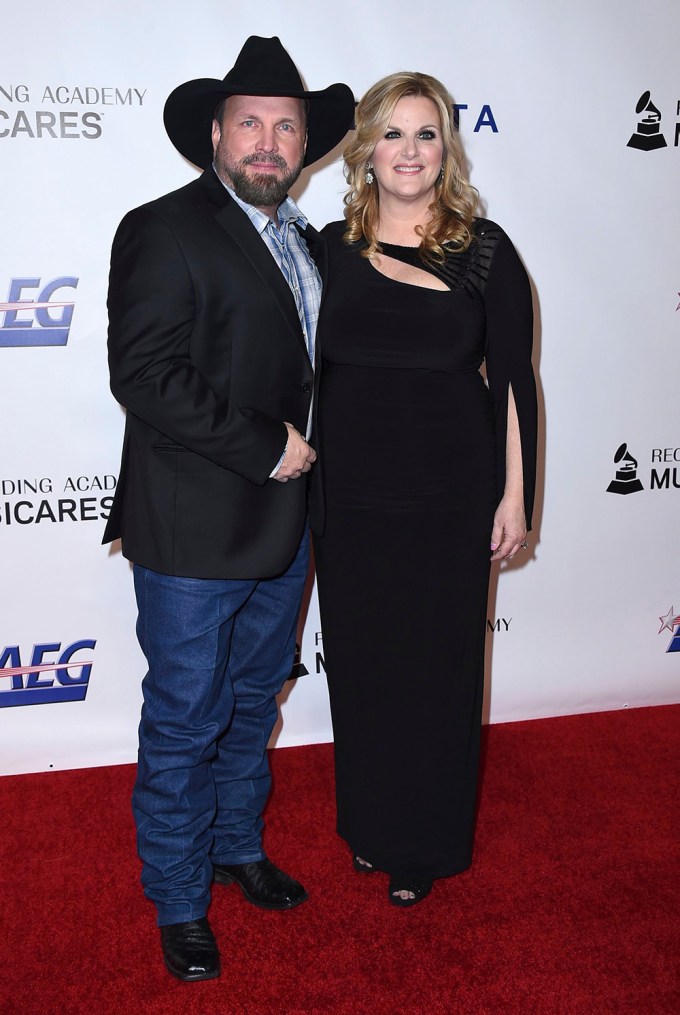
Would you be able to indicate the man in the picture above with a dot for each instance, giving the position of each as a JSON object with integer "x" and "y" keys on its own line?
{"x": 213, "y": 299}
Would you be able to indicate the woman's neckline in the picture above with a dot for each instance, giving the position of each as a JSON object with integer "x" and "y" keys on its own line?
{"x": 399, "y": 246}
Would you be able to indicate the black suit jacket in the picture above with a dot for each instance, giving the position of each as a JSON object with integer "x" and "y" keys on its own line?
{"x": 207, "y": 354}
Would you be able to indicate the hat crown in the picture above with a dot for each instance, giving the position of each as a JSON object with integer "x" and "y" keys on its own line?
{"x": 263, "y": 64}
{"x": 263, "y": 67}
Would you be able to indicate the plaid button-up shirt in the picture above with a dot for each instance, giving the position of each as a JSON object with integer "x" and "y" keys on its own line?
{"x": 290, "y": 252}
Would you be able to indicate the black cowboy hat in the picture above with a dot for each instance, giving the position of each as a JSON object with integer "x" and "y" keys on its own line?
{"x": 263, "y": 67}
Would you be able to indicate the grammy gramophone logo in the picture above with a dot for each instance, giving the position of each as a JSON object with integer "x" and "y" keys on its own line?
{"x": 648, "y": 135}
{"x": 626, "y": 478}
{"x": 299, "y": 668}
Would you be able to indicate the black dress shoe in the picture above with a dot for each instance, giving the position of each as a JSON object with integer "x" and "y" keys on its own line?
{"x": 190, "y": 950}
{"x": 362, "y": 866}
{"x": 262, "y": 883}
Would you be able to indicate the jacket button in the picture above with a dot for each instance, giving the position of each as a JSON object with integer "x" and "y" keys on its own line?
{"x": 305, "y": 388}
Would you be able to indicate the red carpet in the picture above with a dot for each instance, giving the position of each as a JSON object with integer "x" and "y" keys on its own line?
{"x": 571, "y": 908}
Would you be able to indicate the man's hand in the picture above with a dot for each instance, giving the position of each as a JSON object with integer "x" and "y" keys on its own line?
{"x": 299, "y": 457}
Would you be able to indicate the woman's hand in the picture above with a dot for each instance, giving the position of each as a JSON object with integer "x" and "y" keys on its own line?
{"x": 509, "y": 528}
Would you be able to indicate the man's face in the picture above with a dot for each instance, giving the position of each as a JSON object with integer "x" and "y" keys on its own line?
{"x": 260, "y": 147}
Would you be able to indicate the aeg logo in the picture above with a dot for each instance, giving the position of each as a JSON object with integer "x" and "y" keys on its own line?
{"x": 43, "y": 680}
{"x": 40, "y": 321}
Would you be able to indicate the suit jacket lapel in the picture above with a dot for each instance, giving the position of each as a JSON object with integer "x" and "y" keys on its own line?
{"x": 242, "y": 232}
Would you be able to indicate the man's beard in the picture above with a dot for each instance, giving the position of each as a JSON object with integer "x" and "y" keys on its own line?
{"x": 263, "y": 190}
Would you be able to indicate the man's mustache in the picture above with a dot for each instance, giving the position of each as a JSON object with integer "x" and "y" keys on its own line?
{"x": 273, "y": 158}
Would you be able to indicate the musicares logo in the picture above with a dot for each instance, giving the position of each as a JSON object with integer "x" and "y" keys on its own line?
{"x": 67, "y": 111}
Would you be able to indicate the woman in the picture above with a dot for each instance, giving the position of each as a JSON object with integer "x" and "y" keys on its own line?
{"x": 422, "y": 467}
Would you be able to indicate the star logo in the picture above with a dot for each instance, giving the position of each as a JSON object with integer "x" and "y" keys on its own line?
{"x": 669, "y": 622}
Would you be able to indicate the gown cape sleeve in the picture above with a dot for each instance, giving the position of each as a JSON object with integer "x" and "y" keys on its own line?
{"x": 509, "y": 341}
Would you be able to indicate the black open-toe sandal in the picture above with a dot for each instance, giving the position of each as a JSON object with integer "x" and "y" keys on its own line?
{"x": 400, "y": 884}
{"x": 362, "y": 868}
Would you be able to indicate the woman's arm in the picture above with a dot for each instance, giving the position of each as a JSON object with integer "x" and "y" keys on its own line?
{"x": 509, "y": 320}
{"x": 510, "y": 527}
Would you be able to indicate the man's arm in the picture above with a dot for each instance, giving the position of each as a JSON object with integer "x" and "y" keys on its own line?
{"x": 151, "y": 320}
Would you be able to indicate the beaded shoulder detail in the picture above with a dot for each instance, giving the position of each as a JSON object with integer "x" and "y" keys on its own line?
{"x": 467, "y": 270}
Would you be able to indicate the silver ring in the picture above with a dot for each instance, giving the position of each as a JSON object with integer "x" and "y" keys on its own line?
{"x": 524, "y": 545}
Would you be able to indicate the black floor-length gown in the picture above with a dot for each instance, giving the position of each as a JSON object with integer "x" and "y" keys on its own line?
{"x": 411, "y": 469}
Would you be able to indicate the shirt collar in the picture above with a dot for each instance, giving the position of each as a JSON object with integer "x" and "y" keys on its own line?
{"x": 288, "y": 210}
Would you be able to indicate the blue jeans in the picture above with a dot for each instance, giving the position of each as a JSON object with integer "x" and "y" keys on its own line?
{"x": 218, "y": 652}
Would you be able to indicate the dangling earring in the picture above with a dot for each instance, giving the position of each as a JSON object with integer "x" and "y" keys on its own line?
{"x": 441, "y": 173}
{"x": 369, "y": 177}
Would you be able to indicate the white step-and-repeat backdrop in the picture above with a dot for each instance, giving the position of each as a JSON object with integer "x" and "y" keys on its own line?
{"x": 570, "y": 118}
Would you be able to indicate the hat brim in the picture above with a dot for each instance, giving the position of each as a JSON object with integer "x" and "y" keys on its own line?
{"x": 189, "y": 111}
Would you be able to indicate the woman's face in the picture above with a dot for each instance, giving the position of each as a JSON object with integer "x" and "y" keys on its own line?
{"x": 408, "y": 158}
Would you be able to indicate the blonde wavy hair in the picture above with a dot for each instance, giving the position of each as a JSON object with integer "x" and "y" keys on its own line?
{"x": 455, "y": 202}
